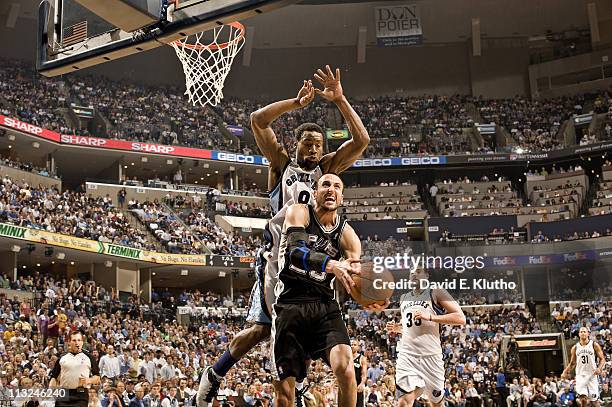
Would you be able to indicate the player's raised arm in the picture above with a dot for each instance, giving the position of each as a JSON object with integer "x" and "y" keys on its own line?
{"x": 572, "y": 364}
{"x": 263, "y": 118}
{"x": 352, "y": 149}
{"x": 454, "y": 314}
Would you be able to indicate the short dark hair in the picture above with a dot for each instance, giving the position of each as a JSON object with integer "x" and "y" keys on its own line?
{"x": 304, "y": 127}
{"x": 77, "y": 332}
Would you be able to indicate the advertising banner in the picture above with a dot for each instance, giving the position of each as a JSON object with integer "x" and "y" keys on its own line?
{"x": 398, "y": 25}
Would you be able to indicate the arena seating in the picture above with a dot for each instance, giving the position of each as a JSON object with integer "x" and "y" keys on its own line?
{"x": 397, "y": 125}
{"x": 385, "y": 201}
{"x": 602, "y": 201}
{"x": 31, "y": 344}
{"x": 476, "y": 198}
{"x": 67, "y": 212}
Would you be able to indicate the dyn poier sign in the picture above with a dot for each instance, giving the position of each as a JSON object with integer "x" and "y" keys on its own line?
{"x": 398, "y": 25}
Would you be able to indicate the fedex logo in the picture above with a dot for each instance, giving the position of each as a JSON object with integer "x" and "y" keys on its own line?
{"x": 539, "y": 259}
{"x": 504, "y": 261}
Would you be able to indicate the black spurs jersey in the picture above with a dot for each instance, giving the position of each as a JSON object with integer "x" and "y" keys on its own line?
{"x": 297, "y": 285}
{"x": 358, "y": 367}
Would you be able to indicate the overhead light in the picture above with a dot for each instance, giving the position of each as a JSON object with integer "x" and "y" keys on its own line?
{"x": 184, "y": 272}
{"x": 125, "y": 166}
{"x": 23, "y": 266}
{"x": 216, "y": 172}
{"x": 10, "y": 146}
{"x": 232, "y": 168}
{"x": 37, "y": 264}
{"x": 208, "y": 175}
{"x": 222, "y": 274}
{"x": 11, "y": 137}
{"x": 53, "y": 262}
{"x": 72, "y": 263}
{"x": 108, "y": 263}
{"x": 169, "y": 162}
{"x": 61, "y": 256}
{"x": 15, "y": 248}
{"x": 202, "y": 178}
{"x": 206, "y": 165}
{"x": 257, "y": 170}
{"x": 144, "y": 159}
{"x": 35, "y": 144}
{"x": 196, "y": 181}
{"x": 153, "y": 274}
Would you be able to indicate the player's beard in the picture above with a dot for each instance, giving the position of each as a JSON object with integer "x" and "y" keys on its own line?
{"x": 307, "y": 164}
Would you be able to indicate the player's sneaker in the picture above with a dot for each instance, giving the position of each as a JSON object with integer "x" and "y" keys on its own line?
{"x": 209, "y": 387}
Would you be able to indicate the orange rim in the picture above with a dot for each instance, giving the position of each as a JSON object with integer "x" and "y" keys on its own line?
{"x": 223, "y": 45}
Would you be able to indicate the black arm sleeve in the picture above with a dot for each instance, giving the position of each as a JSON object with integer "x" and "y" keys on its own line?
{"x": 300, "y": 255}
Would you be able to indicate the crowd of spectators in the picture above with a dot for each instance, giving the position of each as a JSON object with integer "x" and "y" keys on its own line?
{"x": 397, "y": 125}
{"x": 219, "y": 241}
{"x": 533, "y": 124}
{"x": 25, "y": 166}
{"x": 142, "y": 352}
{"x": 70, "y": 213}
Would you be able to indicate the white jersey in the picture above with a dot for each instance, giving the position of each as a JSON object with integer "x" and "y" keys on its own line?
{"x": 419, "y": 337}
{"x": 295, "y": 186}
{"x": 585, "y": 359}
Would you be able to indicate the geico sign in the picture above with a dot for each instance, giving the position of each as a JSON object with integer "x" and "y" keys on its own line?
{"x": 374, "y": 162}
{"x": 420, "y": 160}
{"x": 82, "y": 141}
{"x": 152, "y": 148}
{"x": 19, "y": 125}
{"x": 239, "y": 158}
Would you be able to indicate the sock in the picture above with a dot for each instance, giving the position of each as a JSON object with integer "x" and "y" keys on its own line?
{"x": 224, "y": 364}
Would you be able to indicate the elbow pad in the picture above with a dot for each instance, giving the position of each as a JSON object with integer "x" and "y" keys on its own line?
{"x": 300, "y": 255}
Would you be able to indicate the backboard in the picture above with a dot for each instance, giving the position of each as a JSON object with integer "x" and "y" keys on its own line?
{"x": 76, "y": 34}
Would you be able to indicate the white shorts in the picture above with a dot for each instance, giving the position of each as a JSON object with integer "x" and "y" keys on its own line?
{"x": 424, "y": 373}
{"x": 587, "y": 386}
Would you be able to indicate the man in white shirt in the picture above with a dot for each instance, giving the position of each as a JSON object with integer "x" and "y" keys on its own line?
{"x": 109, "y": 364}
{"x": 168, "y": 371}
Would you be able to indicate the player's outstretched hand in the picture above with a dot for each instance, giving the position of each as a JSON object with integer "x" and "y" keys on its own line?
{"x": 306, "y": 94}
{"x": 332, "y": 89}
{"x": 343, "y": 271}
{"x": 394, "y": 327}
{"x": 375, "y": 307}
{"x": 564, "y": 376}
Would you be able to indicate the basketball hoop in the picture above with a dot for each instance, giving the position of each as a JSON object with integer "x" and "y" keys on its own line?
{"x": 206, "y": 63}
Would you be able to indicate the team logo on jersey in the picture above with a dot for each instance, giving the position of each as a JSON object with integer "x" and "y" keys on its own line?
{"x": 299, "y": 177}
{"x": 325, "y": 246}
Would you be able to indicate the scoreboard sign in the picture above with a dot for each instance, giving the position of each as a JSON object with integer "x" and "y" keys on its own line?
{"x": 398, "y": 25}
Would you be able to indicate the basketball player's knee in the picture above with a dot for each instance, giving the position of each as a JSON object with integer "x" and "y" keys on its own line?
{"x": 260, "y": 332}
{"x": 407, "y": 400}
{"x": 345, "y": 374}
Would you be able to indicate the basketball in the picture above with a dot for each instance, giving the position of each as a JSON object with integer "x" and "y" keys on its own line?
{"x": 371, "y": 287}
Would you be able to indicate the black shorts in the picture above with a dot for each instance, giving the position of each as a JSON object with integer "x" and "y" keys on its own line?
{"x": 74, "y": 399}
{"x": 304, "y": 331}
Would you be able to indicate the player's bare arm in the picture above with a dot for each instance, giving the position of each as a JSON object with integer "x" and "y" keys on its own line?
{"x": 352, "y": 149}
{"x": 265, "y": 137}
{"x": 296, "y": 220}
{"x": 572, "y": 364}
{"x": 600, "y": 356}
{"x": 453, "y": 316}
{"x": 364, "y": 374}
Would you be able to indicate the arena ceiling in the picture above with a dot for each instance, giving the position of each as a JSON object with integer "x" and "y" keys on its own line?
{"x": 316, "y": 23}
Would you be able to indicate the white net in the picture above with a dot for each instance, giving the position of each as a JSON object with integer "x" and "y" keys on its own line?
{"x": 206, "y": 62}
